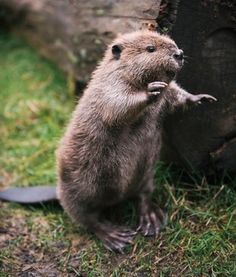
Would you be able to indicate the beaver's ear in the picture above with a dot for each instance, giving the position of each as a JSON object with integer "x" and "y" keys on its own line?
{"x": 116, "y": 51}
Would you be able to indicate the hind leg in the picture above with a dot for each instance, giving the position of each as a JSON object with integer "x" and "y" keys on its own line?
{"x": 114, "y": 238}
{"x": 151, "y": 217}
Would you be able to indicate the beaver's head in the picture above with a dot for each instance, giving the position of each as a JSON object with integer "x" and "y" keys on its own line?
{"x": 145, "y": 56}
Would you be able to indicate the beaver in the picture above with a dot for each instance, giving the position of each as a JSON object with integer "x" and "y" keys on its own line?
{"x": 112, "y": 143}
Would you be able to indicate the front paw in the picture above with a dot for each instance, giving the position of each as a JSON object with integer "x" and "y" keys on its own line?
{"x": 157, "y": 86}
{"x": 154, "y": 90}
{"x": 202, "y": 98}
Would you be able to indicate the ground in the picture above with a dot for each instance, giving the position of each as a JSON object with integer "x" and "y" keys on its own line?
{"x": 199, "y": 239}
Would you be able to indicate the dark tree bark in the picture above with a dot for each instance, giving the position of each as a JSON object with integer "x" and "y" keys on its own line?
{"x": 204, "y": 137}
{"x": 74, "y": 34}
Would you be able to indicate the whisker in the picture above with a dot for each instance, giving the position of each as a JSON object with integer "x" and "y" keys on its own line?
{"x": 187, "y": 57}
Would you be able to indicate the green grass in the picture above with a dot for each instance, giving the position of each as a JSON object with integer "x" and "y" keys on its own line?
{"x": 199, "y": 239}
{"x": 34, "y": 107}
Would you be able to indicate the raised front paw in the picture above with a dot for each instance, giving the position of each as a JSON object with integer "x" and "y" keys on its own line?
{"x": 202, "y": 98}
{"x": 154, "y": 90}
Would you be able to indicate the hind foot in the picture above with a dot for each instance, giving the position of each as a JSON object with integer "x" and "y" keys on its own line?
{"x": 152, "y": 218}
{"x": 115, "y": 238}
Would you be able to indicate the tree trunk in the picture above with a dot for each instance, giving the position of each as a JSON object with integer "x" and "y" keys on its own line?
{"x": 205, "y": 137}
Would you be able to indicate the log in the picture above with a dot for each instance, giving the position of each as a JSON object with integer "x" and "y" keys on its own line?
{"x": 74, "y": 34}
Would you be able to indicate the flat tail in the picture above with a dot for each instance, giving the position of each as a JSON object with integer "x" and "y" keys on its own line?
{"x": 29, "y": 195}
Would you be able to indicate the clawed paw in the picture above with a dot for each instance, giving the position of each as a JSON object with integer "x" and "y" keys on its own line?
{"x": 201, "y": 98}
{"x": 116, "y": 238}
{"x": 156, "y": 86}
{"x": 151, "y": 222}
{"x": 155, "y": 89}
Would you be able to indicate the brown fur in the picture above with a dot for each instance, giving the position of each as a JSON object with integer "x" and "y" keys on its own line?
{"x": 113, "y": 140}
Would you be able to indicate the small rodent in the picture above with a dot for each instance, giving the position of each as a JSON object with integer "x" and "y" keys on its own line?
{"x": 111, "y": 145}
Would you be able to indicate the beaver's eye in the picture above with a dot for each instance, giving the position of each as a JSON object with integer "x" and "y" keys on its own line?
{"x": 151, "y": 49}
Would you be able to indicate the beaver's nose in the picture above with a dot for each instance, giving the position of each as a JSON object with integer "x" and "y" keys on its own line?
{"x": 179, "y": 55}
